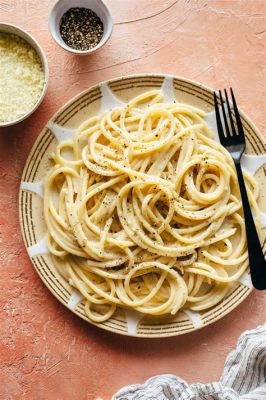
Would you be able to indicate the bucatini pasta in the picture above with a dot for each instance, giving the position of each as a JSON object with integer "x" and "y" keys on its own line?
{"x": 143, "y": 210}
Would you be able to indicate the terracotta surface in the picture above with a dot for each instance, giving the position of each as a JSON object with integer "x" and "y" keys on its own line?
{"x": 47, "y": 353}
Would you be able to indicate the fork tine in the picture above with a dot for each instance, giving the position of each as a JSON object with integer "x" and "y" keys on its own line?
{"x": 218, "y": 119}
{"x": 224, "y": 115}
{"x": 238, "y": 120}
{"x": 230, "y": 113}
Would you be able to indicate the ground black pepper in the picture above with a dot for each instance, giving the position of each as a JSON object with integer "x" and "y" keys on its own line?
{"x": 81, "y": 28}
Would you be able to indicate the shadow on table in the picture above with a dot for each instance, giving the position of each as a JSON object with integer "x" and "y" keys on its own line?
{"x": 232, "y": 325}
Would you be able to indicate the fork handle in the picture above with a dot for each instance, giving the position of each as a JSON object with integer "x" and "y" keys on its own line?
{"x": 257, "y": 261}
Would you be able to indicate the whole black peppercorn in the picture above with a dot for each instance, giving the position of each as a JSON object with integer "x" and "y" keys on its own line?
{"x": 81, "y": 28}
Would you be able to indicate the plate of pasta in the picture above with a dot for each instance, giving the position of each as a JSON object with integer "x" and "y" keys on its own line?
{"x": 130, "y": 209}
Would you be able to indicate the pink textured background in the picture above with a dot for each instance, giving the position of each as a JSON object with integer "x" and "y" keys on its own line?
{"x": 47, "y": 353}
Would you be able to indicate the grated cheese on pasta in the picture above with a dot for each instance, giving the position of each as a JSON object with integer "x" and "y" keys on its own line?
{"x": 21, "y": 77}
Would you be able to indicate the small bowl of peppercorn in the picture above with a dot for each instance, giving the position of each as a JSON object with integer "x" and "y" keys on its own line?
{"x": 80, "y": 27}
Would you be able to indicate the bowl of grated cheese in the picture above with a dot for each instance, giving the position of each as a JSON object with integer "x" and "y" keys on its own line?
{"x": 24, "y": 74}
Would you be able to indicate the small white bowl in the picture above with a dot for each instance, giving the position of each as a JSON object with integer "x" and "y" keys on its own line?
{"x": 98, "y": 6}
{"x": 8, "y": 28}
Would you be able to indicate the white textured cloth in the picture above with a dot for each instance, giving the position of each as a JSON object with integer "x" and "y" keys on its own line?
{"x": 243, "y": 378}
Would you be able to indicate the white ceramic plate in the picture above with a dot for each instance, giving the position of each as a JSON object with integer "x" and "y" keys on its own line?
{"x": 90, "y": 102}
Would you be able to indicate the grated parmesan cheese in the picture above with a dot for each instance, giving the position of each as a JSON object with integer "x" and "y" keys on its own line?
{"x": 21, "y": 77}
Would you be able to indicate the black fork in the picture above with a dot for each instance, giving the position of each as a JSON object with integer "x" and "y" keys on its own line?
{"x": 233, "y": 139}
